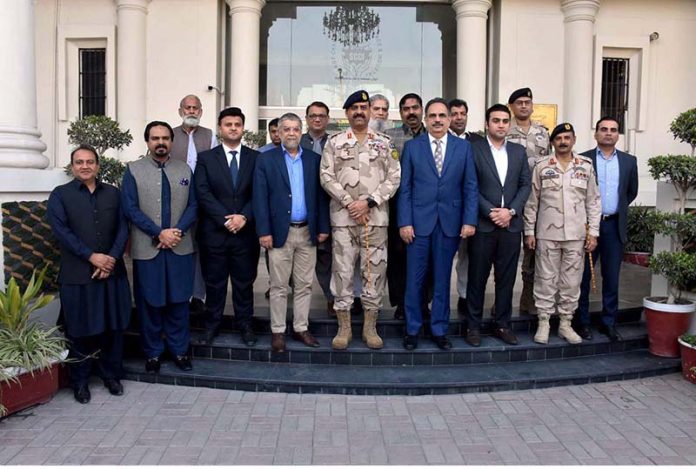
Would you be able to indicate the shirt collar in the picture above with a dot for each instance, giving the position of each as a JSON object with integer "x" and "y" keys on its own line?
{"x": 288, "y": 155}
{"x": 432, "y": 139}
{"x": 493, "y": 147}
{"x": 601, "y": 155}
{"x": 227, "y": 149}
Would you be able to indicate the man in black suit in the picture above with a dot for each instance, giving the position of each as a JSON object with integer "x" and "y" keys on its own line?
{"x": 504, "y": 185}
{"x": 226, "y": 230}
{"x": 617, "y": 174}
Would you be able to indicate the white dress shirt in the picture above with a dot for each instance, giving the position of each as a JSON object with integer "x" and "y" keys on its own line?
{"x": 433, "y": 146}
{"x": 228, "y": 155}
{"x": 500, "y": 157}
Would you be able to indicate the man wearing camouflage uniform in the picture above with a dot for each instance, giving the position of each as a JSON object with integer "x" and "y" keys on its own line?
{"x": 360, "y": 174}
{"x": 561, "y": 221}
{"x": 535, "y": 138}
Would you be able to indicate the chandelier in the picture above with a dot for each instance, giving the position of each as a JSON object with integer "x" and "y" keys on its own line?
{"x": 351, "y": 25}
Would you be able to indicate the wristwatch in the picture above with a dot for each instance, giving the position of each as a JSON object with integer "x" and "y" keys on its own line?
{"x": 371, "y": 203}
{"x": 512, "y": 212}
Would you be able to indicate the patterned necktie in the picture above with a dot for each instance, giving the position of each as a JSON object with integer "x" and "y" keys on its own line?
{"x": 234, "y": 169}
{"x": 438, "y": 156}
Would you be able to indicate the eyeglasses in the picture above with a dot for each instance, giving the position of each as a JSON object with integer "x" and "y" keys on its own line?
{"x": 317, "y": 116}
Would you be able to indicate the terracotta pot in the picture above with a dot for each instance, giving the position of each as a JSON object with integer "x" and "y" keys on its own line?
{"x": 637, "y": 258}
{"x": 688, "y": 358}
{"x": 665, "y": 324}
{"x": 30, "y": 390}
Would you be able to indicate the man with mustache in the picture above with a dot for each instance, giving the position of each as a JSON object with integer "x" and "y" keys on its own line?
{"x": 191, "y": 138}
{"x": 286, "y": 184}
{"x": 535, "y": 138}
{"x": 438, "y": 205}
{"x": 360, "y": 174}
{"x": 561, "y": 222}
{"x": 159, "y": 201}
{"x": 411, "y": 111}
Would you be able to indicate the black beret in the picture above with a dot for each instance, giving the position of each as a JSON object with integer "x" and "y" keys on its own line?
{"x": 561, "y": 128}
{"x": 359, "y": 96}
{"x": 522, "y": 92}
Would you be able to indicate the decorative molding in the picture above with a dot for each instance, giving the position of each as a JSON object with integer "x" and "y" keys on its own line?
{"x": 472, "y": 8}
{"x": 137, "y": 5}
{"x": 579, "y": 10}
{"x": 246, "y": 6}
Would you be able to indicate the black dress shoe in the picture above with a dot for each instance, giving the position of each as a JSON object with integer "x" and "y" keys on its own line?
{"x": 399, "y": 313}
{"x": 248, "y": 337}
{"x": 609, "y": 331}
{"x": 506, "y": 335}
{"x": 208, "y": 336}
{"x": 461, "y": 306}
{"x": 410, "y": 342}
{"x": 114, "y": 386}
{"x": 442, "y": 342}
{"x": 82, "y": 394}
{"x": 183, "y": 362}
{"x": 152, "y": 365}
{"x": 584, "y": 332}
{"x": 473, "y": 337}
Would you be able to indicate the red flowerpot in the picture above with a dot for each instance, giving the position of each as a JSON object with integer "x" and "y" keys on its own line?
{"x": 637, "y": 258}
{"x": 30, "y": 390}
{"x": 688, "y": 358}
{"x": 665, "y": 324}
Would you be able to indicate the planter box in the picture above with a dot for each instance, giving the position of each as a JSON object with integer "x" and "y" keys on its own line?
{"x": 30, "y": 390}
{"x": 688, "y": 357}
{"x": 665, "y": 324}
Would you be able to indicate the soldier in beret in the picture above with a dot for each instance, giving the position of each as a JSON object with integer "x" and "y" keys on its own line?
{"x": 561, "y": 220}
{"x": 360, "y": 173}
{"x": 535, "y": 138}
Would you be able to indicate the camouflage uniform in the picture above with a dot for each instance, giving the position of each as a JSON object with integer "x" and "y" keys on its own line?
{"x": 351, "y": 171}
{"x": 537, "y": 144}
{"x": 560, "y": 205}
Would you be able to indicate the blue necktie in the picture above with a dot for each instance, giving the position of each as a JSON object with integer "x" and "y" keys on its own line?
{"x": 234, "y": 169}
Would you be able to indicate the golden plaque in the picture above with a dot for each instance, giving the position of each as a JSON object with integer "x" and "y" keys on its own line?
{"x": 546, "y": 115}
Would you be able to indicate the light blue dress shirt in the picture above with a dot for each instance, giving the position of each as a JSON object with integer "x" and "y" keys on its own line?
{"x": 296, "y": 175}
{"x": 608, "y": 176}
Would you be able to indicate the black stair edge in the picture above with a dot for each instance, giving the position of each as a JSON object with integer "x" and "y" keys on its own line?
{"x": 228, "y": 346}
{"x": 332, "y": 379}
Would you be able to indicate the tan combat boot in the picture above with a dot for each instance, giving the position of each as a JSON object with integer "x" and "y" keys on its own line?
{"x": 344, "y": 335}
{"x": 565, "y": 330}
{"x": 369, "y": 333}
{"x": 542, "y": 333}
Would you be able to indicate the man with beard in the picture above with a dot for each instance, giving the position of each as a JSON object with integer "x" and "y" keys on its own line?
{"x": 159, "y": 201}
{"x": 360, "y": 174}
{"x": 535, "y": 138}
{"x": 86, "y": 218}
{"x": 379, "y": 113}
{"x": 561, "y": 220}
{"x": 191, "y": 138}
{"x": 286, "y": 183}
{"x": 411, "y": 111}
{"x": 275, "y": 137}
{"x": 438, "y": 205}
{"x": 317, "y": 118}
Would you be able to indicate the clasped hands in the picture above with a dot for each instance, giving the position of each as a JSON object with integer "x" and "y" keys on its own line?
{"x": 169, "y": 238}
{"x": 103, "y": 265}
{"x": 408, "y": 234}
{"x": 358, "y": 211}
{"x": 500, "y": 216}
{"x": 235, "y": 222}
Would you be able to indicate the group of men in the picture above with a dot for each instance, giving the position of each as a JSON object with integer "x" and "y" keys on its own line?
{"x": 360, "y": 208}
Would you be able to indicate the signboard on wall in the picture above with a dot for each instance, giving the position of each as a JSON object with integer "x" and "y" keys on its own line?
{"x": 546, "y": 115}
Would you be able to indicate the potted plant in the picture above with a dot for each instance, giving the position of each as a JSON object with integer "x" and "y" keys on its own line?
{"x": 641, "y": 224}
{"x": 687, "y": 344}
{"x": 30, "y": 353}
{"x": 669, "y": 317}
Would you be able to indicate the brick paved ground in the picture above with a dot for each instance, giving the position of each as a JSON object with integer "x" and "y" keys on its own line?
{"x": 648, "y": 421}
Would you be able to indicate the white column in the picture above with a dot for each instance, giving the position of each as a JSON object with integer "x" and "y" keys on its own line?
{"x": 244, "y": 58}
{"x": 471, "y": 57}
{"x": 579, "y": 17}
{"x": 131, "y": 47}
{"x": 20, "y": 146}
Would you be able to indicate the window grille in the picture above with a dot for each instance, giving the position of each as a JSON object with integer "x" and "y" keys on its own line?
{"x": 615, "y": 73}
{"x": 92, "y": 82}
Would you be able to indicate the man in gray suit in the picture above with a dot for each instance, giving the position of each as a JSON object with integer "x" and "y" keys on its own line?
{"x": 504, "y": 185}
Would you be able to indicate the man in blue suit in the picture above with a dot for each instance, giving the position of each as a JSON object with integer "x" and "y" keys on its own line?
{"x": 437, "y": 205}
{"x": 292, "y": 216}
{"x": 617, "y": 174}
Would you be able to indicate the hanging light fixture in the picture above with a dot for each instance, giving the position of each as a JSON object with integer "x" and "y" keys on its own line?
{"x": 351, "y": 25}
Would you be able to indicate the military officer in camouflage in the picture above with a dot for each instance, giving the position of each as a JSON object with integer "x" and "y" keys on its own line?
{"x": 361, "y": 172}
{"x": 535, "y": 138}
{"x": 561, "y": 222}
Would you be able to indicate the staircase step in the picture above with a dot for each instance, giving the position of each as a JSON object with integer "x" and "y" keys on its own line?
{"x": 415, "y": 380}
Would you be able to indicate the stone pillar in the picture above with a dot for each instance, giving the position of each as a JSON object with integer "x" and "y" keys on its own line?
{"x": 579, "y": 17}
{"x": 244, "y": 58}
{"x": 20, "y": 146}
{"x": 131, "y": 80}
{"x": 471, "y": 57}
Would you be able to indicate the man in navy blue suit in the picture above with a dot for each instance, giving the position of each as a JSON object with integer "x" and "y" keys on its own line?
{"x": 617, "y": 174}
{"x": 437, "y": 205}
{"x": 292, "y": 216}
